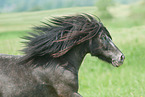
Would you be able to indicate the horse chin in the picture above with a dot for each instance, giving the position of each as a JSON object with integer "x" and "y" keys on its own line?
{"x": 116, "y": 63}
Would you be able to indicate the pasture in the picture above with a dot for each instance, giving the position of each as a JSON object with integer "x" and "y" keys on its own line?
{"x": 96, "y": 78}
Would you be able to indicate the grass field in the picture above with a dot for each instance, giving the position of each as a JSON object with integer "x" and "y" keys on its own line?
{"x": 96, "y": 78}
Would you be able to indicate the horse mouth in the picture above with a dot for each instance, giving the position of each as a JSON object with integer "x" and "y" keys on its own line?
{"x": 116, "y": 63}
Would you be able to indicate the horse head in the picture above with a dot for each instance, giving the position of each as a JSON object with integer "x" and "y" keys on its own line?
{"x": 103, "y": 47}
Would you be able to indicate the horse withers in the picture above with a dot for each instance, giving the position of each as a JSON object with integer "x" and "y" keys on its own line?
{"x": 53, "y": 56}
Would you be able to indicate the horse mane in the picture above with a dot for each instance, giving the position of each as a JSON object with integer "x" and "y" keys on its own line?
{"x": 59, "y": 37}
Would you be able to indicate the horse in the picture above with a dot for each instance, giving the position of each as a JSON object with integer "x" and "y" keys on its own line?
{"x": 53, "y": 55}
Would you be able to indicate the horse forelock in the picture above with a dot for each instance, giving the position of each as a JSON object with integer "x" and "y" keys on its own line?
{"x": 62, "y": 35}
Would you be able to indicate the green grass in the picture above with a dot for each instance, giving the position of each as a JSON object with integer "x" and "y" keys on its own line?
{"x": 96, "y": 78}
{"x": 104, "y": 80}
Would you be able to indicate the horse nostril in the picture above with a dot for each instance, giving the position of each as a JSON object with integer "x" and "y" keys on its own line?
{"x": 122, "y": 57}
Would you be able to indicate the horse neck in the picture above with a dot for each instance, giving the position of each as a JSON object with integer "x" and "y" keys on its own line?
{"x": 76, "y": 55}
{"x": 74, "y": 58}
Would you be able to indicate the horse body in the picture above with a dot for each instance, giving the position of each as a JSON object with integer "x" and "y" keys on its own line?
{"x": 17, "y": 80}
{"x": 53, "y": 57}
{"x": 23, "y": 81}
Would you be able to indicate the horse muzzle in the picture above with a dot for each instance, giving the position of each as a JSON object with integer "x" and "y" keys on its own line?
{"x": 117, "y": 63}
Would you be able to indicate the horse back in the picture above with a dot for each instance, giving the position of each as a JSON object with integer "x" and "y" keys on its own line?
{"x": 8, "y": 59}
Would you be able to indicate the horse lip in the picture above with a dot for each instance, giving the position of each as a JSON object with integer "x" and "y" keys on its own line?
{"x": 116, "y": 63}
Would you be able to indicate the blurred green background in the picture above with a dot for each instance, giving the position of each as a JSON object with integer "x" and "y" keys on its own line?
{"x": 125, "y": 20}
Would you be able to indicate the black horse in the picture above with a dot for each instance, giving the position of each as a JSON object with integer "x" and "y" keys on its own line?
{"x": 53, "y": 56}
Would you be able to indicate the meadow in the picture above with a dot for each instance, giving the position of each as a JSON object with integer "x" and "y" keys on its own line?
{"x": 96, "y": 78}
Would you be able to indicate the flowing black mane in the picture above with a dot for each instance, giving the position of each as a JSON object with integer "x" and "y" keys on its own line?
{"x": 57, "y": 38}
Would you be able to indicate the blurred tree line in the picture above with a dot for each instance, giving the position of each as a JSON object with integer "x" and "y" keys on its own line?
{"x": 138, "y": 10}
{"x": 35, "y": 5}
{"x": 103, "y": 6}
